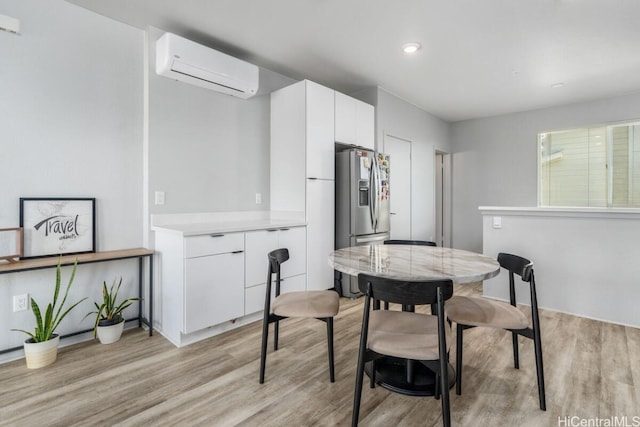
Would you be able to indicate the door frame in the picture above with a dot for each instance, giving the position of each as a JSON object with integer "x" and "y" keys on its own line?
{"x": 443, "y": 192}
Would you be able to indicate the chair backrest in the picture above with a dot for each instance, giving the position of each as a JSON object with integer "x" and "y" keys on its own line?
{"x": 276, "y": 258}
{"x": 516, "y": 265}
{"x": 524, "y": 268}
{"x": 409, "y": 242}
{"x": 404, "y": 292}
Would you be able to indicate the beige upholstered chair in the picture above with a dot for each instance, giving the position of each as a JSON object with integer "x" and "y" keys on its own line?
{"x": 469, "y": 312}
{"x": 321, "y": 305}
{"x": 422, "y": 338}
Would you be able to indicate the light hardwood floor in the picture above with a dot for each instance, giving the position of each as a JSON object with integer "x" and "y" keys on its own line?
{"x": 592, "y": 370}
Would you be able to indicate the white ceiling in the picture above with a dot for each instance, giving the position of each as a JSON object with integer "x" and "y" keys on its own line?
{"x": 479, "y": 57}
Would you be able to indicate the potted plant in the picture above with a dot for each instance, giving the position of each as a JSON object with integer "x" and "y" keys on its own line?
{"x": 109, "y": 321}
{"x": 41, "y": 349}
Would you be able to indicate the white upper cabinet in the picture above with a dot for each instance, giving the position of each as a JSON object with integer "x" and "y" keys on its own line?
{"x": 365, "y": 125}
{"x": 346, "y": 119}
{"x": 320, "y": 132}
{"x": 302, "y": 144}
{"x": 354, "y": 121}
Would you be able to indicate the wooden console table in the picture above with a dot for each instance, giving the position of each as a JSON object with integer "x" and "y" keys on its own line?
{"x": 89, "y": 258}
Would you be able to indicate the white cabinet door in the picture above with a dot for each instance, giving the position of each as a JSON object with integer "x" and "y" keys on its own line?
{"x": 258, "y": 244}
{"x": 254, "y": 296}
{"x": 345, "y": 119}
{"x": 320, "y": 161}
{"x": 365, "y": 115}
{"x": 355, "y": 121}
{"x": 294, "y": 239}
{"x": 320, "y": 233}
{"x": 214, "y": 290}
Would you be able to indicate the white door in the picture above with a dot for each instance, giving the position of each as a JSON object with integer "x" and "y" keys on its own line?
{"x": 399, "y": 151}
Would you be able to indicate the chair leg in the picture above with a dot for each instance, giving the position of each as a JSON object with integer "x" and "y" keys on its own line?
{"x": 537, "y": 342}
{"x": 372, "y": 378}
{"x": 444, "y": 386}
{"x": 276, "y": 327}
{"x": 330, "y": 348}
{"x": 516, "y": 357}
{"x": 357, "y": 394}
{"x": 263, "y": 352}
{"x": 436, "y": 392}
{"x": 459, "y": 330}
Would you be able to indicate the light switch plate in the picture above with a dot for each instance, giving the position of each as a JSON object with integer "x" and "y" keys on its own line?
{"x": 159, "y": 197}
{"x": 497, "y": 222}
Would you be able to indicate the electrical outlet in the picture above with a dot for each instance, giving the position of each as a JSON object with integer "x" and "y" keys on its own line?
{"x": 258, "y": 198}
{"x": 20, "y": 302}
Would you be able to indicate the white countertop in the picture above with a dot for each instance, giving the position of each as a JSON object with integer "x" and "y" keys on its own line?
{"x": 224, "y": 222}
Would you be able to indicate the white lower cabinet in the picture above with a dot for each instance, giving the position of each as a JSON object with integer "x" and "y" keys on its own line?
{"x": 254, "y": 299}
{"x": 215, "y": 282}
{"x": 258, "y": 244}
{"x": 214, "y": 290}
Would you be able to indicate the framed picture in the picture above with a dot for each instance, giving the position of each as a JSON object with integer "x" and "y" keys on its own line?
{"x": 57, "y": 226}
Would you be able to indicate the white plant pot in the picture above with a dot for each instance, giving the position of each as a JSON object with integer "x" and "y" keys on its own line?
{"x": 41, "y": 354}
{"x": 110, "y": 334}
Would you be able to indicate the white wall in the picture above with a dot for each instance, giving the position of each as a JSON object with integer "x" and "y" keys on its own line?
{"x": 207, "y": 151}
{"x": 495, "y": 159}
{"x": 397, "y": 117}
{"x": 585, "y": 261}
{"x": 70, "y": 125}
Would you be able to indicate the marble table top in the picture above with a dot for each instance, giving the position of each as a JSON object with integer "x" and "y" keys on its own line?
{"x": 411, "y": 262}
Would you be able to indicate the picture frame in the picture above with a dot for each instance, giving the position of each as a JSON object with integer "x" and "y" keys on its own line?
{"x": 57, "y": 226}
{"x": 11, "y": 243}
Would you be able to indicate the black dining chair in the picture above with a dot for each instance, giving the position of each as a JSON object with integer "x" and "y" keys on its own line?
{"x": 420, "y": 337}
{"x": 405, "y": 242}
{"x": 321, "y": 305}
{"x": 469, "y": 312}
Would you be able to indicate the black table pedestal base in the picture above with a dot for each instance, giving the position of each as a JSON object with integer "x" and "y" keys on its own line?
{"x": 391, "y": 373}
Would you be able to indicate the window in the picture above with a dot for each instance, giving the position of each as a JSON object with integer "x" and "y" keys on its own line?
{"x": 590, "y": 167}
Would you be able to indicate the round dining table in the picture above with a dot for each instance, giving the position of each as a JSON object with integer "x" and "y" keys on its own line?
{"x": 412, "y": 262}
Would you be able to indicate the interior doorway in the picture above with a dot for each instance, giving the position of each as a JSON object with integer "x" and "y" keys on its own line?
{"x": 399, "y": 151}
{"x": 443, "y": 198}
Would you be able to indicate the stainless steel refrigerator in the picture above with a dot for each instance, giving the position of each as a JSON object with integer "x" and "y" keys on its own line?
{"x": 362, "y": 205}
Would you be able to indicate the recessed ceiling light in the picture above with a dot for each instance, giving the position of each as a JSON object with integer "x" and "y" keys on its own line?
{"x": 557, "y": 85}
{"x": 411, "y": 47}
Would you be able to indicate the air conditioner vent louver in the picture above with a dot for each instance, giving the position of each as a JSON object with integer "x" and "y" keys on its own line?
{"x": 181, "y": 59}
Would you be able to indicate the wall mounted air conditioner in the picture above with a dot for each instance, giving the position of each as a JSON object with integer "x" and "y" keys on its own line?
{"x": 181, "y": 59}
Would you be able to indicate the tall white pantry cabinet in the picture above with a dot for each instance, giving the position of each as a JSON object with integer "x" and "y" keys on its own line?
{"x": 303, "y": 168}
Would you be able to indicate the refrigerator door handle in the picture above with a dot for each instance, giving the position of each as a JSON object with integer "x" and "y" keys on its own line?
{"x": 372, "y": 214}
{"x": 377, "y": 190}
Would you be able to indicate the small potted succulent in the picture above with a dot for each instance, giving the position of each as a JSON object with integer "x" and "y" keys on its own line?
{"x": 41, "y": 349}
{"x": 109, "y": 321}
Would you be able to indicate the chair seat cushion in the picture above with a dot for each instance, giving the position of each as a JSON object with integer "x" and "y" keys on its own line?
{"x": 307, "y": 304}
{"x": 405, "y": 334}
{"x": 475, "y": 311}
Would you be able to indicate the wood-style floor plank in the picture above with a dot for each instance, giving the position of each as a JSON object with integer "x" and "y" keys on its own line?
{"x": 592, "y": 369}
